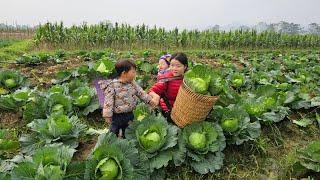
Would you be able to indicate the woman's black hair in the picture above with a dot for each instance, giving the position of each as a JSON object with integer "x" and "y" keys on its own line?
{"x": 123, "y": 66}
{"x": 181, "y": 57}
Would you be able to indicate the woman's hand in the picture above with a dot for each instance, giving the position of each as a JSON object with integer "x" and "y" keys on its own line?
{"x": 154, "y": 102}
{"x": 155, "y": 99}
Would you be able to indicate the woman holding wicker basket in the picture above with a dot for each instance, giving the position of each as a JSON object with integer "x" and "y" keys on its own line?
{"x": 166, "y": 89}
{"x": 184, "y": 96}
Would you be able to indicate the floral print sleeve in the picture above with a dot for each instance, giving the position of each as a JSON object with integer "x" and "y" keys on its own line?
{"x": 109, "y": 102}
{"x": 141, "y": 93}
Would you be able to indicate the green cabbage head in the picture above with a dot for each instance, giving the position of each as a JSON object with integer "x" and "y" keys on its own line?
{"x": 199, "y": 85}
{"x": 60, "y": 123}
{"x": 10, "y": 83}
{"x": 150, "y": 139}
{"x": 10, "y": 79}
{"x": 197, "y": 140}
{"x": 198, "y": 78}
{"x": 109, "y": 168}
{"x": 230, "y": 124}
{"x": 82, "y": 96}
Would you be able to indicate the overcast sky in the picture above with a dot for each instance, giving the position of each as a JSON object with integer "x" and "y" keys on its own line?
{"x": 165, "y": 13}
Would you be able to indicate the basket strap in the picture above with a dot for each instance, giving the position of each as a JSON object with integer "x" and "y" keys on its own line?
{"x": 165, "y": 98}
{"x": 163, "y": 95}
{"x": 166, "y": 101}
{"x": 165, "y": 80}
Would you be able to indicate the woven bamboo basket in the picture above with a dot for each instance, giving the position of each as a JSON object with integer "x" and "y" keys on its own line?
{"x": 190, "y": 107}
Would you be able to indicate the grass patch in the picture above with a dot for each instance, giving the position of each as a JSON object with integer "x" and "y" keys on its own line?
{"x": 15, "y": 49}
{"x": 7, "y": 42}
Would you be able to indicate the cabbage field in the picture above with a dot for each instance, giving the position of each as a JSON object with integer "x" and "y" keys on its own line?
{"x": 265, "y": 124}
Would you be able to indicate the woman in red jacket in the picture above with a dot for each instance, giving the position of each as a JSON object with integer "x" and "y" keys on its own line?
{"x": 166, "y": 89}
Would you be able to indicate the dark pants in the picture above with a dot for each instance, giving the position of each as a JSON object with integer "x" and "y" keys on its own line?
{"x": 167, "y": 115}
{"x": 121, "y": 121}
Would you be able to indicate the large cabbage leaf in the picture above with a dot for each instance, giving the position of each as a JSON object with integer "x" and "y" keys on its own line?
{"x": 49, "y": 162}
{"x": 15, "y": 100}
{"x": 236, "y": 124}
{"x": 217, "y": 84}
{"x": 268, "y": 104}
{"x": 309, "y": 157}
{"x": 56, "y": 128}
{"x": 82, "y": 96}
{"x": 200, "y": 146}
{"x": 114, "y": 158}
{"x": 84, "y": 100}
{"x": 8, "y": 140}
{"x": 36, "y": 108}
{"x": 155, "y": 139}
{"x": 104, "y": 66}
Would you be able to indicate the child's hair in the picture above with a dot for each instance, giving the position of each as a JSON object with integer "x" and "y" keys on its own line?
{"x": 181, "y": 57}
{"x": 123, "y": 66}
{"x": 166, "y": 58}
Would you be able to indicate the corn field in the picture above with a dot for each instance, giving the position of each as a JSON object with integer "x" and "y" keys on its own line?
{"x": 142, "y": 36}
{"x": 16, "y": 32}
